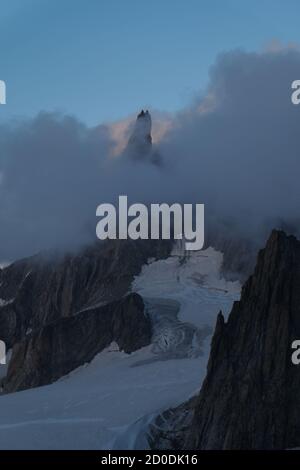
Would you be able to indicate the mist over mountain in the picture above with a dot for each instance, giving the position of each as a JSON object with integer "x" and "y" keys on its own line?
{"x": 235, "y": 148}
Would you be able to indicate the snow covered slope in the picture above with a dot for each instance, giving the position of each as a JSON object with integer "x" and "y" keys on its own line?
{"x": 109, "y": 402}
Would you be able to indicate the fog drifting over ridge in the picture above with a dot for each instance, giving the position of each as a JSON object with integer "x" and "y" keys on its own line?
{"x": 236, "y": 149}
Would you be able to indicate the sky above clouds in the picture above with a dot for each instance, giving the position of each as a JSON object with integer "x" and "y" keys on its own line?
{"x": 102, "y": 60}
{"x": 216, "y": 76}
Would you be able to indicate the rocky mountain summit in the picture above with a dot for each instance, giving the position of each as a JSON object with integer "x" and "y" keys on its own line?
{"x": 139, "y": 147}
{"x": 249, "y": 398}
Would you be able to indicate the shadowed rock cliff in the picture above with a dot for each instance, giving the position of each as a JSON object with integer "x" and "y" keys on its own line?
{"x": 139, "y": 147}
{"x": 42, "y": 289}
{"x": 57, "y": 313}
{"x": 250, "y": 396}
{"x": 250, "y": 399}
{"x": 51, "y": 352}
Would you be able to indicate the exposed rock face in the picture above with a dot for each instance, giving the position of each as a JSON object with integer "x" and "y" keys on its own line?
{"x": 250, "y": 397}
{"x": 41, "y": 289}
{"x": 42, "y": 297}
{"x": 56, "y": 349}
{"x": 140, "y": 142}
{"x": 139, "y": 146}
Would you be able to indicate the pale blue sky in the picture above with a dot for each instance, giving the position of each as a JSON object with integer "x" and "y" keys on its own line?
{"x": 104, "y": 59}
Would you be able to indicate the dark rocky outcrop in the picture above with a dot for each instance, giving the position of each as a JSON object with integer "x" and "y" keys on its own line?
{"x": 140, "y": 141}
{"x": 56, "y": 349}
{"x": 42, "y": 289}
{"x": 58, "y": 312}
{"x": 250, "y": 396}
{"x": 139, "y": 147}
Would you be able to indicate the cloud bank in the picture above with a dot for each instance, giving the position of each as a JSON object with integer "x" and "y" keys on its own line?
{"x": 236, "y": 149}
